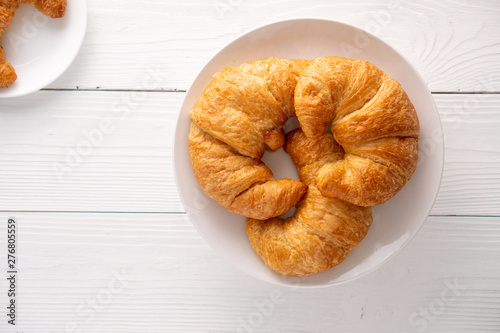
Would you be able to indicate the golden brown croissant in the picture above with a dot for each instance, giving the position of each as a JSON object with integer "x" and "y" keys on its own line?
{"x": 323, "y": 231}
{"x": 240, "y": 115}
{"x": 372, "y": 119}
{"x": 52, "y": 8}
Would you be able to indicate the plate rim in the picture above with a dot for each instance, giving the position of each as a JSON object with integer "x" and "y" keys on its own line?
{"x": 83, "y": 11}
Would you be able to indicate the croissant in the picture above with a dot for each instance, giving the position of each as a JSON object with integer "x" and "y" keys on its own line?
{"x": 373, "y": 120}
{"x": 240, "y": 115}
{"x": 323, "y": 231}
{"x": 52, "y": 8}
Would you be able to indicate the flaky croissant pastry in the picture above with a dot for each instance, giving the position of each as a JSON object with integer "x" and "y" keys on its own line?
{"x": 247, "y": 106}
{"x": 372, "y": 119}
{"x": 241, "y": 184}
{"x": 240, "y": 115}
{"x": 52, "y": 8}
{"x": 323, "y": 231}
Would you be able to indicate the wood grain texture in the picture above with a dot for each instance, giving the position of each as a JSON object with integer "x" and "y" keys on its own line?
{"x": 105, "y": 245}
{"x": 470, "y": 183}
{"x": 152, "y": 273}
{"x": 67, "y": 154}
{"x": 450, "y": 46}
{"x": 60, "y": 162}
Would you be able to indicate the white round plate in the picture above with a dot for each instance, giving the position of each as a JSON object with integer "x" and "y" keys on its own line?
{"x": 41, "y": 48}
{"x": 395, "y": 222}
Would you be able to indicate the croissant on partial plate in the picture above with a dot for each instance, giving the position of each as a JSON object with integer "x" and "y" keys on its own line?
{"x": 323, "y": 231}
{"x": 357, "y": 147}
{"x": 52, "y": 8}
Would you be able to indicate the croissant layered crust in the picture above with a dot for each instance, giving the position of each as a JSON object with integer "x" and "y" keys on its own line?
{"x": 242, "y": 184}
{"x": 52, "y": 8}
{"x": 247, "y": 106}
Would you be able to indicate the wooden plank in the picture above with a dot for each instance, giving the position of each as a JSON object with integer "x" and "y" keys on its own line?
{"x": 152, "y": 273}
{"x": 54, "y": 159}
{"x": 470, "y": 183}
{"x": 126, "y": 39}
{"x": 89, "y": 151}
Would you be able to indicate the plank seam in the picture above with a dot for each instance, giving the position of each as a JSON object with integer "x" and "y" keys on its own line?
{"x": 175, "y": 90}
{"x": 185, "y": 213}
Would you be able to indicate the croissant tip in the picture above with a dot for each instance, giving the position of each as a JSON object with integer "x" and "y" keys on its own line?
{"x": 7, "y": 75}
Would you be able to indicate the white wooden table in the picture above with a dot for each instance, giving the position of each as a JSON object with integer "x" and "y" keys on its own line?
{"x": 104, "y": 244}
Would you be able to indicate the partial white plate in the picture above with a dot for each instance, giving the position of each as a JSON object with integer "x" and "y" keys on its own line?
{"x": 41, "y": 48}
{"x": 396, "y": 222}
